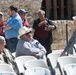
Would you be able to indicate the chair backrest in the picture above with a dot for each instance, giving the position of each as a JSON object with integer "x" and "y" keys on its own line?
{"x": 57, "y": 51}
{"x": 70, "y": 69}
{"x": 35, "y": 63}
{"x": 45, "y": 58}
{"x": 38, "y": 71}
{"x": 62, "y": 61}
{"x": 21, "y": 60}
{"x": 52, "y": 57}
{"x": 14, "y": 54}
{"x": 6, "y": 68}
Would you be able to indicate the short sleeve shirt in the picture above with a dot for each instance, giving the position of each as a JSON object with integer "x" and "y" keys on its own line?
{"x": 15, "y": 23}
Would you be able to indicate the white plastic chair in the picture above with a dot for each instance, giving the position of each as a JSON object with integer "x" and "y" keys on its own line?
{"x": 69, "y": 69}
{"x": 21, "y": 60}
{"x": 37, "y": 69}
{"x": 52, "y": 59}
{"x": 45, "y": 58}
{"x": 6, "y": 68}
{"x": 14, "y": 54}
{"x": 62, "y": 61}
{"x": 35, "y": 63}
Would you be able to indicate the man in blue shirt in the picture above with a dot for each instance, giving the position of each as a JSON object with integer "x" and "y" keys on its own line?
{"x": 12, "y": 27}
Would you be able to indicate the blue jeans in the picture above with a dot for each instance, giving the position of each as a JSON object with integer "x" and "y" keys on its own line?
{"x": 11, "y": 44}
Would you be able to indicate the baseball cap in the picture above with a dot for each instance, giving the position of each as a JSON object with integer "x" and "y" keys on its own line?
{"x": 22, "y": 11}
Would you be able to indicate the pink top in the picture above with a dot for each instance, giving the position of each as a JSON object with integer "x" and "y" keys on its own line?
{"x": 1, "y": 29}
{"x": 25, "y": 23}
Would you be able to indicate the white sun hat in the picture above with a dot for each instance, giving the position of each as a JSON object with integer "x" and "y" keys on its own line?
{"x": 23, "y": 31}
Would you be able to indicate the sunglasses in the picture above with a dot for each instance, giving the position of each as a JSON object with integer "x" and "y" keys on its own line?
{"x": 28, "y": 33}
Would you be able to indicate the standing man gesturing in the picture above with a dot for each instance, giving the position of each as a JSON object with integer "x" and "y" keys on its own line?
{"x": 43, "y": 30}
{"x": 12, "y": 27}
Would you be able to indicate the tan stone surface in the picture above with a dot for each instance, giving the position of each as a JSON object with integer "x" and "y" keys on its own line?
{"x": 32, "y": 6}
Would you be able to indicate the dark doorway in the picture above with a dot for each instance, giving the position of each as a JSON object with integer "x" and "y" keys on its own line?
{"x": 58, "y": 9}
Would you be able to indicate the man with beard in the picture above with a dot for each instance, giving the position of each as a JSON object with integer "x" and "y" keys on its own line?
{"x": 12, "y": 27}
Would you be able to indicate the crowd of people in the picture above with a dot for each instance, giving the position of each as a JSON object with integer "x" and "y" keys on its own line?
{"x": 16, "y": 35}
{"x": 12, "y": 29}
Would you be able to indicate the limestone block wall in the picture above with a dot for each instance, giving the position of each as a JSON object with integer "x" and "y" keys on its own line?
{"x": 32, "y": 6}
{"x": 59, "y": 35}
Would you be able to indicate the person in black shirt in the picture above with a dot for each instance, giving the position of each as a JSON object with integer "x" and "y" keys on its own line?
{"x": 43, "y": 30}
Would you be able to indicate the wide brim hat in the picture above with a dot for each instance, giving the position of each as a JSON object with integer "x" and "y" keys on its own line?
{"x": 23, "y": 31}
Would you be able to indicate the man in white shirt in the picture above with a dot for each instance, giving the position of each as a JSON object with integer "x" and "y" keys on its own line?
{"x": 27, "y": 45}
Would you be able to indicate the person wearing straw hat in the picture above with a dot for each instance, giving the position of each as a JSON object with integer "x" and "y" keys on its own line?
{"x": 72, "y": 41}
{"x": 27, "y": 45}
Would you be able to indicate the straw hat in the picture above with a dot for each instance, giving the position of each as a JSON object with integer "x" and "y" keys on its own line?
{"x": 23, "y": 31}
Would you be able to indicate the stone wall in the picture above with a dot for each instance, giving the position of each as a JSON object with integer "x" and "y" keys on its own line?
{"x": 32, "y": 6}
{"x": 59, "y": 35}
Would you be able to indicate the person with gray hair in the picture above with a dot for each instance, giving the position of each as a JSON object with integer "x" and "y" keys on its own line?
{"x": 43, "y": 30}
{"x": 5, "y": 55}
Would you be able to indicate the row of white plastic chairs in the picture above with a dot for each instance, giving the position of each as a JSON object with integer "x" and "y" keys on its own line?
{"x": 26, "y": 63}
{"x": 39, "y": 66}
{"x": 60, "y": 63}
